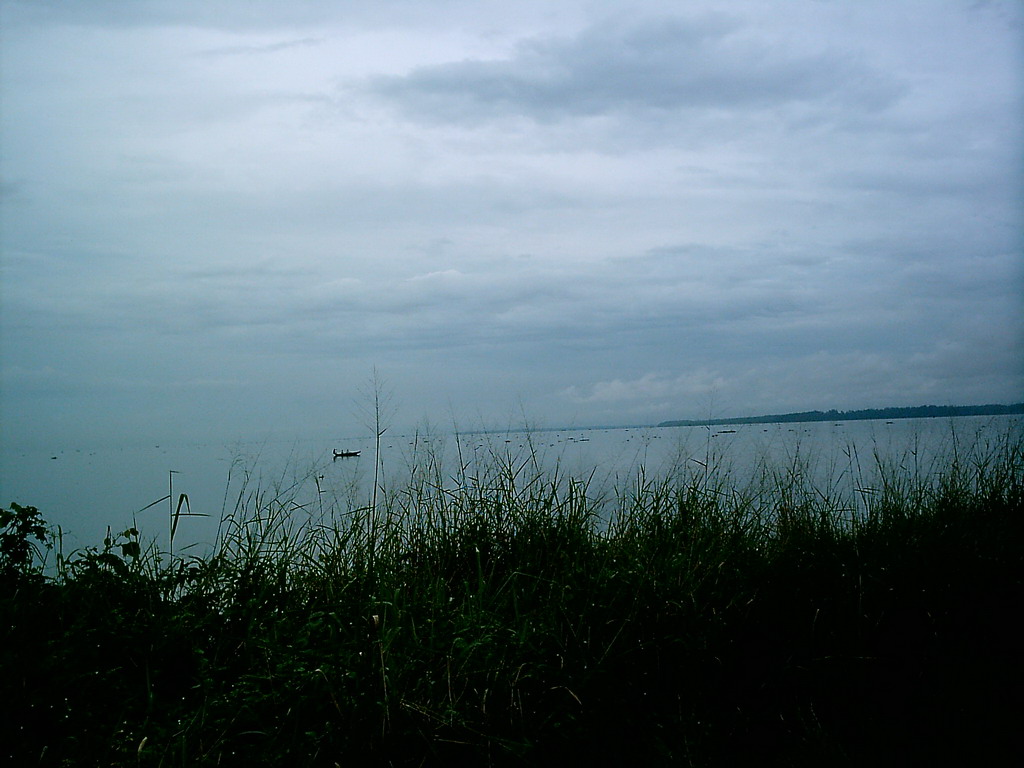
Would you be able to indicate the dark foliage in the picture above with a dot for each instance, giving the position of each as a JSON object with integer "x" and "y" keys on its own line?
{"x": 694, "y": 630}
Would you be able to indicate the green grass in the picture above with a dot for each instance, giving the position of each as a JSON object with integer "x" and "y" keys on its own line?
{"x": 516, "y": 616}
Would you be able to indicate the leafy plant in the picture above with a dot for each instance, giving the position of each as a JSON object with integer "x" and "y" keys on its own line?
{"x": 505, "y": 615}
{"x": 19, "y": 525}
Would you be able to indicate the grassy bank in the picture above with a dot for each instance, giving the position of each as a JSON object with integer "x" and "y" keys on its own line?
{"x": 519, "y": 617}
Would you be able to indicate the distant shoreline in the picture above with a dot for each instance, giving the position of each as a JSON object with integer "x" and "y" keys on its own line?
{"x": 916, "y": 412}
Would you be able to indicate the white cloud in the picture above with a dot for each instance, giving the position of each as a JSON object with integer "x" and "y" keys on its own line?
{"x": 590, "y": 211}
{"x": 654, "y": 66}
{"x": 648, "y": 387}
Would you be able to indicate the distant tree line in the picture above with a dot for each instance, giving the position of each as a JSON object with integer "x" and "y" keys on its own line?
{"x": 916, "y": 412}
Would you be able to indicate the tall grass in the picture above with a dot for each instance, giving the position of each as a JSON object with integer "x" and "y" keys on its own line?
{"x": 501, "y": 612}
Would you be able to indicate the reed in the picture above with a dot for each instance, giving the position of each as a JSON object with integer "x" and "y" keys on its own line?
{"x": 502, "y": 613}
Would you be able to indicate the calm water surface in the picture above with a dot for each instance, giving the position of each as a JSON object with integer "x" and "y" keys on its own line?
{"x": 84, "y": 491}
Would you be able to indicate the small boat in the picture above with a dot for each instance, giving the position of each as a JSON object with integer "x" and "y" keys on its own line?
{"x": 345, "y": 454}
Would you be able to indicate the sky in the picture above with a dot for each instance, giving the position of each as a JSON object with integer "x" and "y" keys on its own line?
{"x": 221, "y": 219}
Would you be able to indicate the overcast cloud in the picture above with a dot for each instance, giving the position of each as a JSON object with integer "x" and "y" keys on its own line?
{"x": 218, "y": 217}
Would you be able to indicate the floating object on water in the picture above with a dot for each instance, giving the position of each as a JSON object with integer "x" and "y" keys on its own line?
{"x": 345, "y": 454}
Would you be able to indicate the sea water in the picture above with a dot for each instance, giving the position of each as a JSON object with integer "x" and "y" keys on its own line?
{"x": 88, "y": 491}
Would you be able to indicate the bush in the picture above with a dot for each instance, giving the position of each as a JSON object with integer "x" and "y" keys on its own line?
{"x": 505, "y": 622}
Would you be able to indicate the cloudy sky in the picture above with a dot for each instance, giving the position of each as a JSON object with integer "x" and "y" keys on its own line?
{"x": 219, "y": 217}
